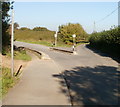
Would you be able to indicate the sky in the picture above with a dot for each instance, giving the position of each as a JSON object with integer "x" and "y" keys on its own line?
{"x": 53, "y": 14}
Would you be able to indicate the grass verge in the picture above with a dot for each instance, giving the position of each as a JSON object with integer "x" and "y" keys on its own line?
{"x": 20, "y": 55}
{"x": 45, "y": 43}
{"x": 6, "y": 81}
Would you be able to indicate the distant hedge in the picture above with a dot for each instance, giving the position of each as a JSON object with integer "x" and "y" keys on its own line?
{"x": 107, "y": 41}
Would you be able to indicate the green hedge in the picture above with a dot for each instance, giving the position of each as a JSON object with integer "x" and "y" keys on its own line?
{"x": 107, "y": 41}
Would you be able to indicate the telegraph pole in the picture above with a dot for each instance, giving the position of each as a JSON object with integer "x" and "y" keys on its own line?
{"x": 94, "y": 27}
{"x": 12, "y": 44}
{"x": 119, "y": 14}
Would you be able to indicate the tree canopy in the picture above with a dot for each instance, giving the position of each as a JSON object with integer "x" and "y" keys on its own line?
{"x": 24, "y": 28}
{"x": 40, "y": 29}
{"x": 66, "y": 32}
{"x": 6, "y": 6}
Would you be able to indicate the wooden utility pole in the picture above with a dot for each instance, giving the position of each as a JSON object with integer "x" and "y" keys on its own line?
{"x": 119, "y": 14}
{"x": 94, "y": 27}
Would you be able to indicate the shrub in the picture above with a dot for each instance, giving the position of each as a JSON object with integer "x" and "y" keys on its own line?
{"x": 109, "y": 41}
{"x": 66, "y": 32}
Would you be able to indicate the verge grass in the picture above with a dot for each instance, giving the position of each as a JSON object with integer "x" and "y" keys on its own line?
{"x": 45, "y": 43}
{"x": 20, "y": 55}
{"x": 6, "y": 81}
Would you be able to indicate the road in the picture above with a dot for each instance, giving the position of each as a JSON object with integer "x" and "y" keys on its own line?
{"x": 37, "y": 85}
{"x": 92, "y": 79}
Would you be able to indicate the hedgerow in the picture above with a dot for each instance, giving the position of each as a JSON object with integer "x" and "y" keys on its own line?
{"x": 107, "y": 41}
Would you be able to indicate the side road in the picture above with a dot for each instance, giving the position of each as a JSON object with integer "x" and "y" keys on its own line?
{"x": 37, "y": 86}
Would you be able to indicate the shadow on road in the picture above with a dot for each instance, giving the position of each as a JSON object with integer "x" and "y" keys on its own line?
{"x": 117, "y": 58}
{"x": 92, "y": 86}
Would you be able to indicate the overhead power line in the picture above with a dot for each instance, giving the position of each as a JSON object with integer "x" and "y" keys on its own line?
{"x": 108, "y": 15}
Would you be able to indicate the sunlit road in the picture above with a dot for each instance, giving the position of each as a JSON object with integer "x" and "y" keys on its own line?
{"x": 92, "y": 79}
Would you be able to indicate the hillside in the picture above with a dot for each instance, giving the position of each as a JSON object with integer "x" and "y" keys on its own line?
{"x": 34, "y": 35}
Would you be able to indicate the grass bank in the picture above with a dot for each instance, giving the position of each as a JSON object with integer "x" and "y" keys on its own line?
{"x": 34, "y": 35}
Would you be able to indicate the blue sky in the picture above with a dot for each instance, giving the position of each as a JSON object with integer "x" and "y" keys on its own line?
{"x": 53, "y": 14}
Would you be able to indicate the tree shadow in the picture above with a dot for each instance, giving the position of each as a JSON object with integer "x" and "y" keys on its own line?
{"x": 92, "y": 86}
{"x": 114, "y": 57}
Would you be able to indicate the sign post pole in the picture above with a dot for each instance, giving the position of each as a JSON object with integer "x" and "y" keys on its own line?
{"x": 12, "y": 44}
{"x": 55, "y": 35}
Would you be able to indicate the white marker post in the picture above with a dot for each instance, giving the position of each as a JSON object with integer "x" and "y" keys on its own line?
{"x": 74, "y": 36}
{"x": 55, "y": 35}
{"x": 12, "y": 45}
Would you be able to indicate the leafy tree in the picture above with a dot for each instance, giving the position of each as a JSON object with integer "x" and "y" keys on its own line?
{"x": 6, "y": 6}
{"x": 40, "y": 29}
{"x": 66, "y": 32}
{"x": 24, "y": 28}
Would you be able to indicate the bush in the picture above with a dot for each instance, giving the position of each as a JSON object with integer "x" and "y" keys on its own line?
{"x": 66, "y": 32}
{"x": 40, "y": 29}
{"x": 108, "y": 41}
{"x": 6, "y": 6}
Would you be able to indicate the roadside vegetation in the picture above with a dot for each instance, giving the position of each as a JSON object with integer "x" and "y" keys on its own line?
{"x": 7, "y": 81}
{"x": 6, "y": 6}
{"x": 43, "y": 36}
{"x": 20, "y": 55}
{"x": 34, "y": 35}
{"x": 107, "y": 41}
{"x": 66, "y": 32}
{"x": 46, "y": 43}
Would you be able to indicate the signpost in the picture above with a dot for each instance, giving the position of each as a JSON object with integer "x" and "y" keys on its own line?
{"x": 55, "y": 35}
{"x": 74, "y": 36}
{"x": 12, "y": 45}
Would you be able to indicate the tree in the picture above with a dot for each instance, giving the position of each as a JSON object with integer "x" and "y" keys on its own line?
{"x": 24, "y": 28}
{"x": 16, "y": 25}
{"x": 6, "y": 6}
{"x": 40, "y": 29}
{"x": 66, "y": 32}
